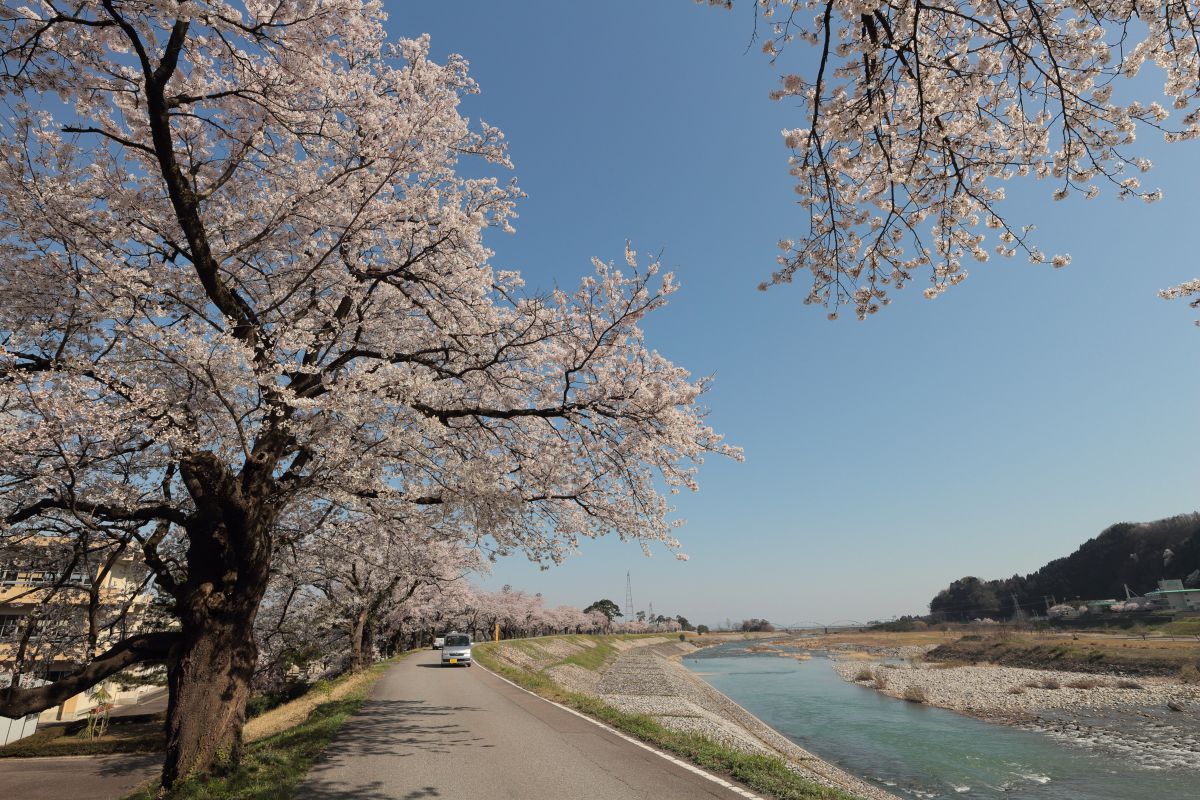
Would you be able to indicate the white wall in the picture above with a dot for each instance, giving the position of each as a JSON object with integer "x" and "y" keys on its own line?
{"x": 13, "y": 729}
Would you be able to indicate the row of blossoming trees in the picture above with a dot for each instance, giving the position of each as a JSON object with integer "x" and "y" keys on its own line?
{"x": 249, "y": 332}
{"x": 348, "y": 611}
{"x": 305, "y": 633}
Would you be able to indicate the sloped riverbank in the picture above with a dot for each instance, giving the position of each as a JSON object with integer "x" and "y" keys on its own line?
{"x": 651, "y": 681}
{"x": 644, "y": 677}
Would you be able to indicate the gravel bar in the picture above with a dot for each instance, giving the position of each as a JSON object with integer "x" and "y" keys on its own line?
{"x": 1153, "y": 721}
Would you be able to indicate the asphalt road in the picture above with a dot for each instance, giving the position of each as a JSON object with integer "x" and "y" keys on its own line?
{"x": 76, "y": 777}
{"x": 451, "y": 732}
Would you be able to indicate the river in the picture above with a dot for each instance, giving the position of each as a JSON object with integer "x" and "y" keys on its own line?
{"x": 918, "y": 751}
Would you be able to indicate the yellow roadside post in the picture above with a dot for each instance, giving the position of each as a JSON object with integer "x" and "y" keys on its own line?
{"x": 497, "y": 631}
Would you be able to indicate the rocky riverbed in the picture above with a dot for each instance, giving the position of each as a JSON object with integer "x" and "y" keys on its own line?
{"x": 1153, "y": 721}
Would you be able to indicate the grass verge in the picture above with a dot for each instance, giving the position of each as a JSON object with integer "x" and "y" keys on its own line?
{"x": 58, "y": 740}
{"x": 1083, "y": 652}
{"x": 1182, "y": 627}
{"x": 275, "y": 764}
{"x": 146, "y": 735}
{"x": 761, "y": 773}
{"x": 592, "y": 658}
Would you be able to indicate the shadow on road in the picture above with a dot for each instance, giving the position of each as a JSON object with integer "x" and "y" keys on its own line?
{"x": 397, "y": 727}
{"x": 442, "y": 666}
{"x": 366, "y": 791}
{"x": 391, "y": 729}
{"x": 341, "y": 790}
{"x": 124, "y": 764}
{"x": 83, "y": 777}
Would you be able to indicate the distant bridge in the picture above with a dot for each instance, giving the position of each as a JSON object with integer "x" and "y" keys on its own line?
{"x": 836, "y": 625}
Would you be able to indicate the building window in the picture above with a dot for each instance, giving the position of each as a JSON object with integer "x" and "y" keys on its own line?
{"x": 10, "y": 624}
{"x": 40, "y": 575}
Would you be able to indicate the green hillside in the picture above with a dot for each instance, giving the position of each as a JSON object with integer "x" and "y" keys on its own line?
{"x": 1130, "y": 554}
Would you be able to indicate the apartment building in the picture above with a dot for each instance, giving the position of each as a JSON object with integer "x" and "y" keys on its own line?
{"x": 46, "y": 610}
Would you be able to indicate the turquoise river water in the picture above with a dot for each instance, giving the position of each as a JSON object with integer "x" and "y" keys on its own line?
{"x": 917, "y": 751}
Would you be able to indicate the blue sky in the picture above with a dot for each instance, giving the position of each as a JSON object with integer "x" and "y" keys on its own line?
{"x": 985, "y": 432}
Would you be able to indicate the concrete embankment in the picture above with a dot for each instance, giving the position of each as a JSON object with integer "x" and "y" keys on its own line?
{"x": 644, "y": 676}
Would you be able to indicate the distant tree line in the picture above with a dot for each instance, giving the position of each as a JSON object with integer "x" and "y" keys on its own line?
{"x": 659, "y": 621}
{"x": 755, "y": 625}
{"x": 1136, "y": 555}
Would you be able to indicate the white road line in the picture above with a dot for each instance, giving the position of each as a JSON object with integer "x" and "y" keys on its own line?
{"x": 677, "y": 762}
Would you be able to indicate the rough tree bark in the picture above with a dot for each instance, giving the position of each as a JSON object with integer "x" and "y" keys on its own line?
{"x": 229, "y": 559}
{"x": 362, "y": 640}
{"x": 209, "y": 684}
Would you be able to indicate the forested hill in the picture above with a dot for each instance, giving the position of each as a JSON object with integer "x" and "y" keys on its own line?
{"x": 1136, "y": 554}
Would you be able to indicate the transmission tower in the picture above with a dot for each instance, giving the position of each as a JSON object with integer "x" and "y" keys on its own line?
{"x": 628, "y": 597}
{"x": 1018, "y": 615}
{"x": 651, "y": 619}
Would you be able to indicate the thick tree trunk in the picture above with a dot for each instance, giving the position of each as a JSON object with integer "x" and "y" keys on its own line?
{"x": 361, "y": 641}
{"x": 209, "y": 684}
{"x": 367, "y": 653}
{"x": 228, "y": 565}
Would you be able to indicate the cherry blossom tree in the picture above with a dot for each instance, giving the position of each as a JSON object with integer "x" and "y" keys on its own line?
{"x": 918, "y": 111}
{"x": 240, "y": 272}
{"x": 294, "y": 636}
{"x": 366, "y": 565}
{"x": 518, "y": 614}
{"x": 433, "y": 609}
{"x": 346, "y": 586}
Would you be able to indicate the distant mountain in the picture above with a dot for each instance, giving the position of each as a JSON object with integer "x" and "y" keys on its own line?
{"x": 1134, "y": 554}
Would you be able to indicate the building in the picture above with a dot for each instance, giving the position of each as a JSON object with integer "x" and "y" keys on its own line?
{"x": 34, "y": 581}
{"x": 1176, "y": 598}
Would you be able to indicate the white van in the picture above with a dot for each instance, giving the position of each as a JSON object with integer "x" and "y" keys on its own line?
{"x": 456, "y": 649}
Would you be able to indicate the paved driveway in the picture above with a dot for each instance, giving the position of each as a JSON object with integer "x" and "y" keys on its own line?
{"x": 76, "y": 777}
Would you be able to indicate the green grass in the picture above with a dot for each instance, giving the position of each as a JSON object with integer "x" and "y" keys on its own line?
{"x": 56, "y": 741}
{"x": 272, "y": 768}
{"x": 1151, "y": 656}
{"x": 592, "y": 658}
{"x": 594, "y": 651}
{"x": 526, "y": 646}
{"x": 1182, "y": 627}
{"x": 762, "y": 773}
